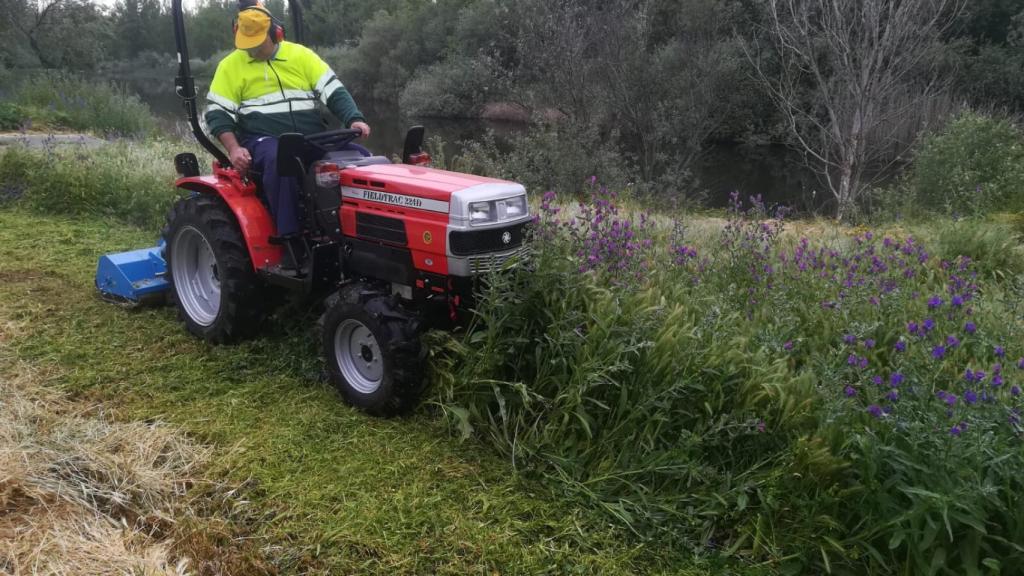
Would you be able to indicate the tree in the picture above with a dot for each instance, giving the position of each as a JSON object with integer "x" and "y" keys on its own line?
{"x": 58, "y": 33}
{"x": 844, "y": 73}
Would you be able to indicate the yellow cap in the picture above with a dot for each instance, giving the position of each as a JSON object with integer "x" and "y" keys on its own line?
{"x": 253, "y": 26}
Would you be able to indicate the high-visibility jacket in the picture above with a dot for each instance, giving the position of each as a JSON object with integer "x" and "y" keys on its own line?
{"x": 269, "y": 98}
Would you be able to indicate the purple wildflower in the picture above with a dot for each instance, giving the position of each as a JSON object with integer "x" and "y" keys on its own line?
{"x": 876, "y": 380}
{"x": 1020, "y": 364}
{"x": 970, "y": 396}
{"x": 875, "y": 410}
{"x": 912, "y": 327}
{"x": 952, "y": 341}
{"x": 850, "y": 391}
{"x": 895, "y": 379}
{"x": 957, "y": 301}
{"x": 969, "y": 375}
{"x": 979, "y": 376}
{"x": 934, "y": 302}
{"x": 893, "y": 395}
{"x": 928, "y": 325}
{"x": 950, "y": 399}
{"x": 1015, "y": 391}
{"x": 955, "y": 430}
{"x": 862, "y": 363}
{"x": 901, "y": 346}
{"x": 850, "y": 339}
{"x": 869, "y": 343}
{"x": 851, "y": 359}
{"x": 1000, "y": 352}
{"x": 970, "y": 328}
{"x": 938, "y": 352}
{"x": 997, "y": 381}
{"x": 788, "y": 345}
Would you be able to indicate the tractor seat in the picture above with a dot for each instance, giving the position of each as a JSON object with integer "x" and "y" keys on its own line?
{"x": 354, "y": 158}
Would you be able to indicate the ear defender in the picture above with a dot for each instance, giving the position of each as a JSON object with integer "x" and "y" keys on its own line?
{"x": 276, "y": 31}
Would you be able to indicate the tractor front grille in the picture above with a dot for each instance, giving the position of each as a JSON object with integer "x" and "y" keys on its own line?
{"x": 383, "y": 228}
{"x": 494, "y": 262}
{"x": 465, "y": 243}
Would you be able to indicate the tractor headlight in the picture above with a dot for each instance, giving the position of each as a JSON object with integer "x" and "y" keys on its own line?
{"x": 482, "y": 213}
{"x": 497, "y": 210}
{"x": 512, "y": 208}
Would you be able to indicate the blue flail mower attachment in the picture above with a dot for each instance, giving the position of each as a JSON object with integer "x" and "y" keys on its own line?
{"x": 137, "y": 277}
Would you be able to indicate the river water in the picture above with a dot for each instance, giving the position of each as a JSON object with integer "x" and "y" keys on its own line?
{"x": 772, "y": 171}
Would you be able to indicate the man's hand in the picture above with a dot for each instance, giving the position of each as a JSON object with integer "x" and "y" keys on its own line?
{"x": 240, "y": 159}
{"x": 361, "y": 126}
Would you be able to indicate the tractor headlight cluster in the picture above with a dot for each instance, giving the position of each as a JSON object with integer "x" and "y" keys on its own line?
{"x": 497, "y": 210}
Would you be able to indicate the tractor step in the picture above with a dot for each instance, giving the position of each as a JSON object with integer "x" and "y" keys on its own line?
{"x": 298, "y": 280}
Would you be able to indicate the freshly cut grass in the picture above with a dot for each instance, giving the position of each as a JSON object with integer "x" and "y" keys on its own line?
{"x": 81, "y": 494}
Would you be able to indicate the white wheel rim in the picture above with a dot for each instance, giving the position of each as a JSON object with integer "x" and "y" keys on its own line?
{"x": 195, "y": 274}
{"x": 358, "y": 356}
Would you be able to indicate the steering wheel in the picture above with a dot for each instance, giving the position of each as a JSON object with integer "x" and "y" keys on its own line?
{"x": 333, "y": 139}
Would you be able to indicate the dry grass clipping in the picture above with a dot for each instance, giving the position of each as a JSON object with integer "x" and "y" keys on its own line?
{"x": 79, "y": 493}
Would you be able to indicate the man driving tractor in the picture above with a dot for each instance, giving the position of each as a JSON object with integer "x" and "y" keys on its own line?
{"x": 266, "y": 88}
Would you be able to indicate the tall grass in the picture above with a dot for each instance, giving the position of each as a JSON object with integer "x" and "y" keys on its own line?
{"x": 778, "y": 399}
{"x": 127, "y": 180}
{"x": 63, "y": 100}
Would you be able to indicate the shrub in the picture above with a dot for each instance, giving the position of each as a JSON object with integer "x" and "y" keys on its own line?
{"x": 974, "y": 166}
{"x": 69, "y": 101}
{"x": 455, "y": 88}
{"x": 11, "y": 116}
{"x": 560, "y": 156}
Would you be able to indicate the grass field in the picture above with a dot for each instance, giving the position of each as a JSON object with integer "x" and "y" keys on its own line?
{"x": 296, "y": 481}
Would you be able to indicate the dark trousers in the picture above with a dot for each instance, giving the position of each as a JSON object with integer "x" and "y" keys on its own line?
{"x": 282, "y": 193}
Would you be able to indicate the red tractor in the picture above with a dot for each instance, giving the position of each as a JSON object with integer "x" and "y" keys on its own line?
{"x": 391, "y": 249}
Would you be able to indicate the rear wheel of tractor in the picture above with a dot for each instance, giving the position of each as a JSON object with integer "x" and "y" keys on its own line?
{"x": 213, "y": 284}
{"x": 374, "y": 356}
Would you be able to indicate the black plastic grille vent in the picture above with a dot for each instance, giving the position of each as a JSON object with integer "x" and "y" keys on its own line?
{"x": 372, "y": 226}
{"x": 484, "y": 241}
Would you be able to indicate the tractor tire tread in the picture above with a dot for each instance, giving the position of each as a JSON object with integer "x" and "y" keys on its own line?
{"x": 240, "y": 314}
{"x": 399, "y": 339}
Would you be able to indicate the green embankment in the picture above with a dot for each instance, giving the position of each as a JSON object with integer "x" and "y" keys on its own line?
{"x": 337, "y": 491}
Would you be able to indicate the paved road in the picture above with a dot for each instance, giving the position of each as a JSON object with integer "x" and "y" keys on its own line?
{"x": 44, "y": 140}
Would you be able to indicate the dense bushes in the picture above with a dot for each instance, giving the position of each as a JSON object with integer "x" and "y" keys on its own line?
{"x": 849, "y": 406}
{"x": 974, "y": 166}
{"x": 550, "y": 156}
{"x": 455, "y": 88}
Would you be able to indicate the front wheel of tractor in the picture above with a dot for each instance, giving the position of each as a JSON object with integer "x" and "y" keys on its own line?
{"x": 374, "y": 355}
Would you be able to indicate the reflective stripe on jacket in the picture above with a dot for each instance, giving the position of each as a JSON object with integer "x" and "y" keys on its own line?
{"x": 268, "y": 98}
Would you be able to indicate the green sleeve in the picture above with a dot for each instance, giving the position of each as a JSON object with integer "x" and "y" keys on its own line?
{"x": 330, "y": 90}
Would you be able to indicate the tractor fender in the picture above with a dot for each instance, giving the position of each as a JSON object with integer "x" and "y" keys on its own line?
{"x": 254, "y": 219}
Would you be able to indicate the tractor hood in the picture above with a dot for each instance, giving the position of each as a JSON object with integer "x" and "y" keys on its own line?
{"x": 429, "y": 183}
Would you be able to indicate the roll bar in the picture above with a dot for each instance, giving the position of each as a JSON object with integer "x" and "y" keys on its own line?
{"x": 185, "y": 85}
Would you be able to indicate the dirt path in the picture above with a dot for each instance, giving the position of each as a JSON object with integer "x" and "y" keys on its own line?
{"x": 33, "y": 140}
